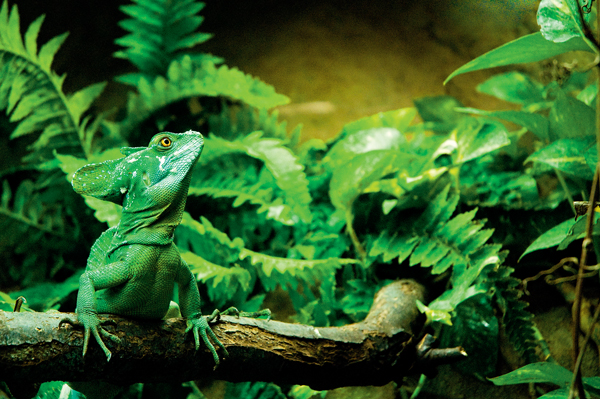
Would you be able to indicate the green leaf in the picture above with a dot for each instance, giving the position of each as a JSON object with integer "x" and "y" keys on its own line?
{"x": 570, "y": 118}
{"x": 205, "y": 271}
{"x": 529, "y": 48}
{"x": 349, "y": 182}
{"x": 399, "y": 119}
{"x": 435, "y": 316}
{"x": 567, "y": 155}
{"x": 187, "y": 79}
{"x": 588, "y": 94}
{"x": 294, "y": 267}
{"x": 517, "y": 322}
{"x": 562, "y": 393}
{"x": 362, "y": 141}
{"x": 577, "y": 231}
{"x": 474, "y": 327}
{"x": 436, "y": 240}
{"x": 536, "y": 124}
{"x": 471, "y": 139}
{"x": 280, "y": 161}
{"x": 542, "y": 372}
{"x": 592, "y": 385}
{"x": 48, "y": 50}
{"x": 514, "y": 87}
{"x": 560, "y": 20}
{"x": 551, "y": 238}
{"x": 80, "y": 101}
{"x": 158, "y": 31}
{"x": 252, "y": 390}
{"x": 305, "y": 392}
{"x": 438, "y": 109}
{"x": 44, "y": 296}
{"x": 32, "y": 93}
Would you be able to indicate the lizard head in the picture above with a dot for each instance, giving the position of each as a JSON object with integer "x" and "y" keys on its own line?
{"x": 166, "y": 161}
{"x": 168, "y": 156}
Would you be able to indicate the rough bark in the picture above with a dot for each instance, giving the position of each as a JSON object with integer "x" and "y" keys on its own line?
{"x": 36, "y": 347}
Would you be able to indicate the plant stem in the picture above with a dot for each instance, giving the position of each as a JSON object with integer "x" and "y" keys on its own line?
{"x": 564, "y": 186}
{"x": 355, "y": 241}
{"x": 576, "y": 389}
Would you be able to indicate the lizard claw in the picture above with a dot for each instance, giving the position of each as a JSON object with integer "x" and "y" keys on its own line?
{"x": 91, "y": 324}
{"x": 199, "y": 325}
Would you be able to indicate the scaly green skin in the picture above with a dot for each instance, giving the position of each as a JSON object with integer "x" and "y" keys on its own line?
{"x": 132, "y": 267}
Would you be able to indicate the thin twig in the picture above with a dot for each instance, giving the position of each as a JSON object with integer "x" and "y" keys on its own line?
{"x": 560, "y": 264}
{"x": 576, "y": 389}
{"x": 586, "y": 341}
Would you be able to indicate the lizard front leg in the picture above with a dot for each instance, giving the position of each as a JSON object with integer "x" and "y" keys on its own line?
{"x": 189, "y": 300}
{"x": 111, "y": 275}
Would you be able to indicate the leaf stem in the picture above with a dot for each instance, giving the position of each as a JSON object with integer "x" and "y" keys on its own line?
{"x": 355, "y": 241}
{"x": 564, "y": 186}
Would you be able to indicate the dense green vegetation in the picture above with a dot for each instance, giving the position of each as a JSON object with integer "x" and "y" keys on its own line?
{"x": 392, "y": 196}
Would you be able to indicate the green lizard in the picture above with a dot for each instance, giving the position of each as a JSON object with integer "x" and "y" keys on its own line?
{"x": 132, "y": 267}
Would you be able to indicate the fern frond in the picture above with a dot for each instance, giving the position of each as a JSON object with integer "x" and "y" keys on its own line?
{"x": 222, "y": 282}
{"x": 275, "y": 270}
{"x": 233, "y": 122}
{"x": 186, "y": 79}
{"x": 27, "y": 212}
{"x": 33, "y": 235}
{"x": 438, "y": 241}
{"x": 517, "y": 320}
{"x": 32, "y": 93}
{"x": 160, "y": 31}
{"x": 218, "y": 248}
{"x": 220, "y": 185}
{"x": 279, "y": 160}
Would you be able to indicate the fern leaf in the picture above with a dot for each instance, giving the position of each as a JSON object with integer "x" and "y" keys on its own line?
{"x": 32, "y": 93}
{"x": 222, "y": 282}
{"x": 33, "y": 235}
{"x": 27, "y": 210}
{"x": 279, "y": 160}
{"x": 272, "y": 270}
{"x": 221, "y": 185}
{"x": 234, "y": 122}
{"x": 438, "y": 241}
{"x": 517, "y": 320}
{"x": 186, "y": 79}
{"x": 159, "y": 31}
{"x": 273, "y": 267}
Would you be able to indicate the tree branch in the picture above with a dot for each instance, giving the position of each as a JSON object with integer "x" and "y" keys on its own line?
{"x": 36, "y": 347}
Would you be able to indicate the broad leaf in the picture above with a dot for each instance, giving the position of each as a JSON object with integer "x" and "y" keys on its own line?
{"x": 542, "y": 372}
{"x": 551, "y": 238}
{"x": 560, "y": 20}
{"x": 349, "y": 182}
{"x": 530, "y": 48}
{"x": 570, "y": 118}
{"x": 536, "y": 124}
{"x": 514, "y": 87}
{"x": 567, "y": 155}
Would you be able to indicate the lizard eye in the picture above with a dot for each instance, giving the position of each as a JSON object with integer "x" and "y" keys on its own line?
{"x": 165, "y": 142}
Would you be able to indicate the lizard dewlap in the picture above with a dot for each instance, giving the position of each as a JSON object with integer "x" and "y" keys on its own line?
{"x": 133, "y": 267}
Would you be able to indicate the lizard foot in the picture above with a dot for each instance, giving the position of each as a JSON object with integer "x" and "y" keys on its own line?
{"x": 199, "y": 325}
{"x": 92, "y": 324}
